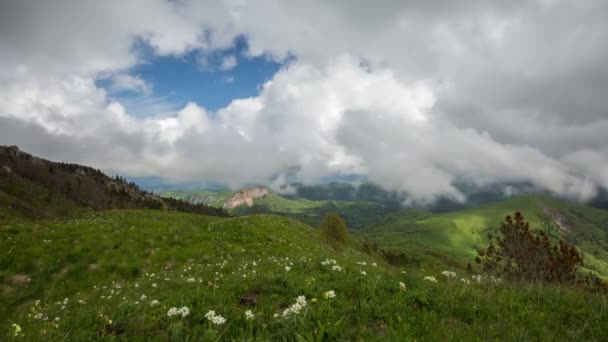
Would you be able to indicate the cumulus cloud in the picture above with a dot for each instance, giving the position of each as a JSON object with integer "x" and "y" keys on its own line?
{"x": 416, "y": 95}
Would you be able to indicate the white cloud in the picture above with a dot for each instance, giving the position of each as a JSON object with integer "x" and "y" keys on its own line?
{"x": 228, "y": 62}
{"x": 125, "y": 82}
{"x": 413, "y": 94}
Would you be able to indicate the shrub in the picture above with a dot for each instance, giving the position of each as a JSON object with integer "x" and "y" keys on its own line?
{"x": 524, "y": 255}
{"x": 333, "y": 229}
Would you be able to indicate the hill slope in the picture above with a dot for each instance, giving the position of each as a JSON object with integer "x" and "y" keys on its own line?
{"x": 456, "y": 235}
{"x": 35, "y": 187}
{"x": 118, "y": 274}
{"x": 357, "y": 214}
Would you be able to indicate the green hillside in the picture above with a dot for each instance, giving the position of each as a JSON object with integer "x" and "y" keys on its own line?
{"x": 356, "y": 214}
{"x": 214, "y": 198}
{"x": 455, "y": 235}
{"x": 118, "y": 274}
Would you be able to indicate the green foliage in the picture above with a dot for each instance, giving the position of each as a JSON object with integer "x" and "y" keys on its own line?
{"x": 333, "y": 229}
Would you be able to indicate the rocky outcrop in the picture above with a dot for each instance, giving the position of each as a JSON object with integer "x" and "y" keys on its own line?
{"x": 245, "y": 197}
{"x": 558, "y": 218}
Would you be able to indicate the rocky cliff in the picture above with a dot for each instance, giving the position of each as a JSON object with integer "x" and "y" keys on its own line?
{"x": 245, "y": 197}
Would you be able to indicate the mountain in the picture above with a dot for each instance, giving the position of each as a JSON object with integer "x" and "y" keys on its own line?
{"x": 34, "y": 187}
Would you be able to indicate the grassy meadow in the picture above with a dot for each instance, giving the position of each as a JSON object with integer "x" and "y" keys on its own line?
{"x": 142, "y": 275}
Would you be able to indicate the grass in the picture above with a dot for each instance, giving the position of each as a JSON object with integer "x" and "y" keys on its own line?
{"x": 97, "y": 276}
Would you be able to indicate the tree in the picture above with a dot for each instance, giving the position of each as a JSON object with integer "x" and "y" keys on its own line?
{"x": 525, "y": 255}
{"x": 333, "y": 229}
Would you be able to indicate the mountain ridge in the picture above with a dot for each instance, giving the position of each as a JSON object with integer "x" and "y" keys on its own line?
{"x": 34, "y": 186}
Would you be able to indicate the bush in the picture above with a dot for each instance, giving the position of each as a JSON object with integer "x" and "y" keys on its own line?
{"x": 333, "y": 229}
{"x": 524, "y": 255}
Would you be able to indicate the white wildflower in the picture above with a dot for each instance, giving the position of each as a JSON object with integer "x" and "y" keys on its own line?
{"x": 296, "y": 307}
{"x": 249, "y": 315}
{"x": 336, "y": 268}
{"x": 154, "y": 303}
{"x": 329, "y": 294}
{"x": 449, "y": 274}
{"x": 402, "y": 286}
{"x": 191, "y": 280}
{"x": 363, "y": 273}
{"x": 287, "y": 268}
{"x": 183, "y": 311}
{"x": 215, "y": 319}
{"x": 431, "y": 279}
{"x": 16, "y": 329}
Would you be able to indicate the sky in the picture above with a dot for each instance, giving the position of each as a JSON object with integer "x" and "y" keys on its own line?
{"x": 415, "y": 96}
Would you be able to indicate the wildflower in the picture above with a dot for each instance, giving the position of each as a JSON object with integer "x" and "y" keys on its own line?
{"x": 80, "y": 301}
{"x": 183, "y": 311}
{"x": 17, "y": 329}
{"x": 374, "y": 264}
{"x": 336, "y": 268}
{"x": 466, "y": 281}
{"x": 363, "y": 273}
{"x": 143, "y": 296}
{"x": 215, "y": 319}
{"x": 296, "y": 307}
{"x": 449, "y": 274}
{"x": 191, "y": 280}
{"x": 287, "y": 268}
{"x": 329, "y": 294}
{"x": 431, "y": 279}
{"x": 477, "y": 278}
{"x": 154, "y": 303}
{"x": 328, "y": 262}
{"x": 154, "y": 285}
{"x": 249, "y": 315}
{"x": 402, "y": 286}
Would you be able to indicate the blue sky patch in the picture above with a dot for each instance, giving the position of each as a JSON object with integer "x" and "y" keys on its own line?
{"x": 212, "y": 80}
